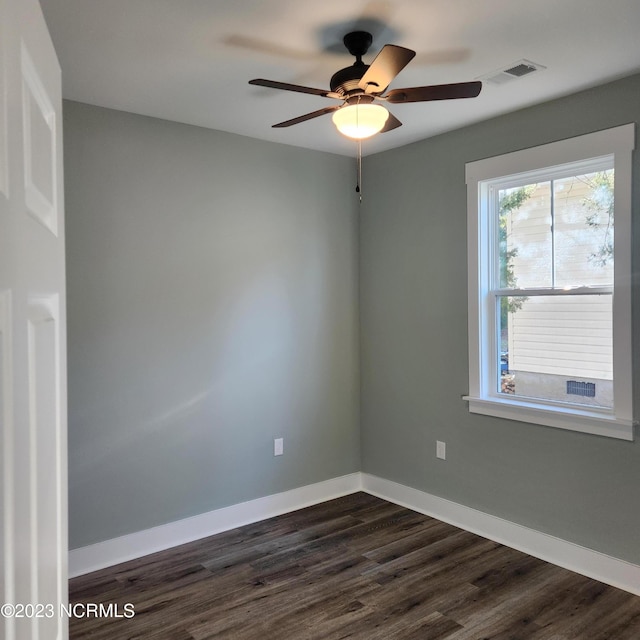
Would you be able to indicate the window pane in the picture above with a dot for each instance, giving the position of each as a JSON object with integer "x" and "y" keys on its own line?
{"x": 557, "y": 348}
{"x": 525, "y": 242}
{"x": 583, "y": 225}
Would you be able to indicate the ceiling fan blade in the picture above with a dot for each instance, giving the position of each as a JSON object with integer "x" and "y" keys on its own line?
{"x": 392, "y": 123}
{"x": 268, "y": 47}
{"x": 273, "y": 84}
{"x": 307, "y": 116}
{"x": 385, "y": 67}
{"x": 435, "y": 92}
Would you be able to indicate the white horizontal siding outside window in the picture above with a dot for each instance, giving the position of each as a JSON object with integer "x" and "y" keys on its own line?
{"x": 549, "y": 231}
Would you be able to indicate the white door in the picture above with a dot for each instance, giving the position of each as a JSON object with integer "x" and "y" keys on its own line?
{"x": 33, "y": 410}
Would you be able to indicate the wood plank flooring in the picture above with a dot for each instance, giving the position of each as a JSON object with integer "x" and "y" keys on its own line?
{"x": 356, "y": 568}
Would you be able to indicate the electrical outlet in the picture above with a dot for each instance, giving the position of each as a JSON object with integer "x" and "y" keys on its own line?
{"x": 278, "y": 446}
{"x": 441, "y": 450}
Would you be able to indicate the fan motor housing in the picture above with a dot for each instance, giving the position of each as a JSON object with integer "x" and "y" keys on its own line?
{"x": 346, "y": 80}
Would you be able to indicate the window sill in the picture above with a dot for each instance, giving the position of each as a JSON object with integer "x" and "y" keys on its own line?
{"x": 585, "y": 421}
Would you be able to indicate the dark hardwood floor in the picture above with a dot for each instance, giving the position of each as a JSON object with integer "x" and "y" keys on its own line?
{"x": 356, "y": 567}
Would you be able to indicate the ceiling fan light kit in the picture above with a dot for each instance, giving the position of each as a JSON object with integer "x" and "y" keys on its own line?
{"x": 360, "y": 121}
{"x": 359, "y": 85}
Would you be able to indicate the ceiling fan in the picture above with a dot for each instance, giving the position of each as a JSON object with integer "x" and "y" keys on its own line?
{"x": 361, "y": 86}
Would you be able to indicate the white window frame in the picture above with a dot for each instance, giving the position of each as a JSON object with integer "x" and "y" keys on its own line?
{"x": 483, "y": 397}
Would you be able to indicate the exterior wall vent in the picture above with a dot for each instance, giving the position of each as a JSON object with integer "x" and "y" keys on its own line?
{"x": 511, "y": 72}
{"x": 585, "y": 389}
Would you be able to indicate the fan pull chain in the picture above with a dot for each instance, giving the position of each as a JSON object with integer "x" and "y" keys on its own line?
{"x": 359, "y": 171}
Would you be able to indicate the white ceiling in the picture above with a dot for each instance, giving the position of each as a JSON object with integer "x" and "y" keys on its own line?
{"x": 190, "y": 60}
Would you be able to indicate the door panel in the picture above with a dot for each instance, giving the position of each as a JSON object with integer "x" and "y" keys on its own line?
{"x": 39, "y": 140}
{"x": 45, "y": 473}
{"x": 3, "y": 105}
{"x": 7, "y": 591}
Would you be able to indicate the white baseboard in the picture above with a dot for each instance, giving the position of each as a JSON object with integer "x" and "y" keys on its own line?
{"x": 142, "y": 543}
{"x": 587, "y": 562}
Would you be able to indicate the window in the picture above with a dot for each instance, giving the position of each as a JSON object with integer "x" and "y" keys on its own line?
{"x": 549, "y": 231}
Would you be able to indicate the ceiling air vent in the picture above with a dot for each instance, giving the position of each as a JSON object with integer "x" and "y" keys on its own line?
{"x": 513, "y": 71}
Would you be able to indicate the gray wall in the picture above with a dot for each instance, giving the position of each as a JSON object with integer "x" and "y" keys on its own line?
{"x": 414, "y": 359}
{"x": 212, "y": 306}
